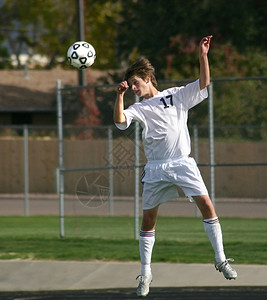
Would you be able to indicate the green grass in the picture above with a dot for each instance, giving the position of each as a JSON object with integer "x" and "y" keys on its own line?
{"x": 112, "y": 238}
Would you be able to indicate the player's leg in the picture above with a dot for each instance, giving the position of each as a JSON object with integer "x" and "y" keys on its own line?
{"x": 147, "y": 239}
{"x": 155, "y": 192}
{"x": 211, "y": 225}
{"x": 213, "y": 229}
{"x": 146, "y": 243}
{"x": 186, "y": 174}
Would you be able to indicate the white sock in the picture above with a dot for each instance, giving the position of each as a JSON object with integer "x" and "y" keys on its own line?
{"x": 213, "y": 229}
{"x": 146, "y": 243}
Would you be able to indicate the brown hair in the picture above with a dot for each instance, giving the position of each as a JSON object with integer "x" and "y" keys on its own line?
{"x": 143, "y": 69}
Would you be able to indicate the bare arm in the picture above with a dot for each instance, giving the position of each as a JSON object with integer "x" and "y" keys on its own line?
{"x": 204, "y": 79}
{"x": 119, "y": 116}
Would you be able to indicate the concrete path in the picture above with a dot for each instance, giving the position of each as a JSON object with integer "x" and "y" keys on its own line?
{"x": 19, "y": 275}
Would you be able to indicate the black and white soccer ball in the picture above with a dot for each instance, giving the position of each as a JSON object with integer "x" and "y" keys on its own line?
{"x": 81, "y": 55}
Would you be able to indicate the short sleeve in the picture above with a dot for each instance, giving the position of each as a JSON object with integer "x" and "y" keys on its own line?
{"x": 131, "y": 114}
{"x": 192, "y": 95}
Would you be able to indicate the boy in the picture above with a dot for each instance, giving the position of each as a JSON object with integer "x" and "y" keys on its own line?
{"x": 163, "y": 117}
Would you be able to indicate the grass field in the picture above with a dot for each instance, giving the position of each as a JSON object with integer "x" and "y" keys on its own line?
{"x": 112, "y": 238}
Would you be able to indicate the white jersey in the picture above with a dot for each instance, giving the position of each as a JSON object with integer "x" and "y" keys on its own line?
{"x": 164, "y": 121}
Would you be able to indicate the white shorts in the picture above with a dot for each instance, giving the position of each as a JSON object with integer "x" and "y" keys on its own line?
{"x": 162, "y": 178}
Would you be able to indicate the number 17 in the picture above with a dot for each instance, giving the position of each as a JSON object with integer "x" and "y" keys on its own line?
{"x": 164, "y": 101}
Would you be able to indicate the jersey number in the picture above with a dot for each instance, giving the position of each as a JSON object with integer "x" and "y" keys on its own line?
{"x": 164, "y": 101}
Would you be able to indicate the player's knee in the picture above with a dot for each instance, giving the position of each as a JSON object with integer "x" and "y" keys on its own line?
{"x": 208, "y": 211}
{"x": 206, "y": 206}
{"x": 149, "y": 222}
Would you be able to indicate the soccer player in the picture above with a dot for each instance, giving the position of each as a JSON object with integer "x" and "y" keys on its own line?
{"x": 163, "y": 117}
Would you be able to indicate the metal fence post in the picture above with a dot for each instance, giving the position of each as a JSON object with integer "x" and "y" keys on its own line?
{"x": 26, "y": 170}
{"x": 211, "y": 144}
{"x": 136, "y": 179}
{"x": 195, "y": 134}
{"x": 196, "y": 156}
{"x": 60, "y": 159}
{"x": 110, "y": 171}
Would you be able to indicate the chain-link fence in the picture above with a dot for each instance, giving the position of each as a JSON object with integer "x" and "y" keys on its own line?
{"x": 101, "y": 166}
{"x": 129, "y": 161}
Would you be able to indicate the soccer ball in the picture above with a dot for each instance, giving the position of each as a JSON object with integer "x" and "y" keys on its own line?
{"x": 81, "y": 55}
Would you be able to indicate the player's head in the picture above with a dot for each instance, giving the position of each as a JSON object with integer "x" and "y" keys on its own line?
{"x": 141, "y": 68}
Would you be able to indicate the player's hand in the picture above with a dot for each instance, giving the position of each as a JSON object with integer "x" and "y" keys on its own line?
{"x": 122, "y": 87}
{"x": 204, "y": 45}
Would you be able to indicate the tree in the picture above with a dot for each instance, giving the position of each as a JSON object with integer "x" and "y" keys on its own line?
{"x": 163, "y": 30}
{"x": 50, "y": 27}
{"x": 38, "y": 27}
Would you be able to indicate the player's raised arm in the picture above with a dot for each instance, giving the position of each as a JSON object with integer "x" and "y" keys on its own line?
{"x": 119, "y": 116}
{"x": 204, "y": 79}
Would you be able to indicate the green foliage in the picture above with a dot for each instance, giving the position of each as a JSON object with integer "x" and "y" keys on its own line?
{"x": 226, "y": 61}
{"x": 241, "y": 102}
{"x": 167, "y": 32}
{"x": 5, "y": 62}
{"x": 42, "y": 27}
{"x": 101, "y": 27}
{"x": 52, "y": 31}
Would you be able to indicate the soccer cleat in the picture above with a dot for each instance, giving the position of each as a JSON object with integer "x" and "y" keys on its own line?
{"x": 226, "y": 269}
{"x": 144, "y": 283}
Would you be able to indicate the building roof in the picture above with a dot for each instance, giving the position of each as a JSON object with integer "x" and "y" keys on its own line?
{"x": 35, "y": 90}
